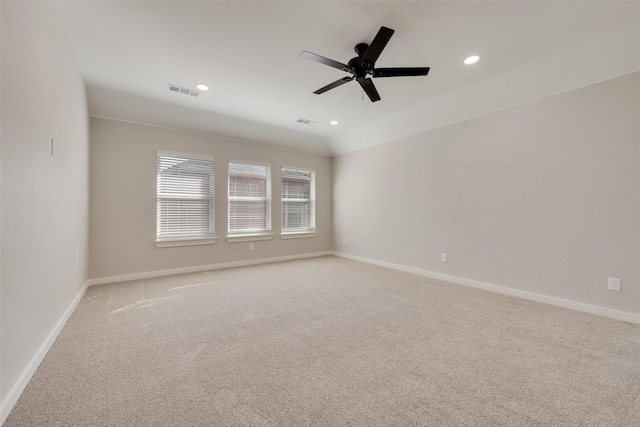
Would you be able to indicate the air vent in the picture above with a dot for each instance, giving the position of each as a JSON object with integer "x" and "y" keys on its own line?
{"x": 307, "y": 122}
{"x": 186, "y": 91}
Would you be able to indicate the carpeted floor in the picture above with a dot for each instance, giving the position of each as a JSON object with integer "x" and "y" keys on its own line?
{"x": 330, "y": 342}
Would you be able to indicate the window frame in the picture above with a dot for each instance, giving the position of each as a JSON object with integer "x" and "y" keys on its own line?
{"x": 185, "y": 240}
{"x": 249, "y": 235}
{"x": 299, "y": 232}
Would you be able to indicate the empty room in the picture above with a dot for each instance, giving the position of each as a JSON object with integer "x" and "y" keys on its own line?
{"x": 320, "y": 213}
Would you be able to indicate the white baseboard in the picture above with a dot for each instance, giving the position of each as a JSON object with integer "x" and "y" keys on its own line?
{"x": 160, "y": 273}
{"x": 578, "y": 306}
{"x": 14, "y": 394}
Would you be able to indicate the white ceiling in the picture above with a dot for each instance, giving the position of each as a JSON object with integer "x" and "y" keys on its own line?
{"x": 248, "y": 53}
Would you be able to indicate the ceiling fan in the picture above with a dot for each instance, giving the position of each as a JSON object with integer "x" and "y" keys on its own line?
{"x": 362, "y": 66}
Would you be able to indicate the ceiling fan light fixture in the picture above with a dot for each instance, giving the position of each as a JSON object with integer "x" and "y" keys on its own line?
{"x": 201, "y": 86}
{"x": 472, "y": 59}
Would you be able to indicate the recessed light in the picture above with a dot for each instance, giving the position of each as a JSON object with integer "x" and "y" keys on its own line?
{"x": 472, "y": 59}
{"x": 333, "y": 122}
{"x": 202, "y": 87}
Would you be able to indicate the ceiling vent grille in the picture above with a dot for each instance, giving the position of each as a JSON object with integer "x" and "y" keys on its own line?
{"x": 306, "y": 121}
{"x": 184, "y": 90}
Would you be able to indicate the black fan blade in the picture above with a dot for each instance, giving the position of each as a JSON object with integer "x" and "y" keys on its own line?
{"x": 400, "y": 72}
{"x": 326, "y": 61}
{"x": 369, "y": 89}
{"x": 333, "y": 85}
{"x": 375, "y": 48}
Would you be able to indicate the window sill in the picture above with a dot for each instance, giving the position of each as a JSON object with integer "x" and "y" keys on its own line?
{"x": 249, "y": 238}
{"x": 185, "y": 242}
{"x": 302, "y": 235}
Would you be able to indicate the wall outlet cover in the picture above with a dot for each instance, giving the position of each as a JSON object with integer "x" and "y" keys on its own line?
{"x": 613, "y": 284}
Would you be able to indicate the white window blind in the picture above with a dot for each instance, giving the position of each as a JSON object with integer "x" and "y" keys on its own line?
{"x": 185, "y": 192}
{"x": 298, "y": 200}
{"x": 249, "y": 198}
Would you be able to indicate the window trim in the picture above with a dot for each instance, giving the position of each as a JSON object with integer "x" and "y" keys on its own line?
{"x": 248, "y": 237}
{"x": 251, "y": 235}
{"x": 163, "y": 242}
{"x": 300, "y": 232}
{"x": 171, "y": 242}
{"x": 298, "y": 235}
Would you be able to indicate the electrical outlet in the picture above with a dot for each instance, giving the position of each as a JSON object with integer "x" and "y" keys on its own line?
{"x": 250, "y": 246}
{"x": 344, "y": 241}
{"x": 613, "y": 284}
{"x": 443, "y": 257}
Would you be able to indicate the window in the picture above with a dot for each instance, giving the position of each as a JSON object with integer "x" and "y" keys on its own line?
{"x": 298, "y": 201}
{"x": 249, "y": 199}
{"x": 185, "y": 209}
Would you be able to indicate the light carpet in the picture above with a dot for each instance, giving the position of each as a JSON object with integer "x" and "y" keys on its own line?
{"x": 329, "y": 342}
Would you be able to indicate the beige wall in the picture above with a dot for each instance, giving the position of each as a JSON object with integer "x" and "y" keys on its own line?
{"x": 123, "y": 200}
{"x": 543, "y": 197}
{"x": 45, "y": 204}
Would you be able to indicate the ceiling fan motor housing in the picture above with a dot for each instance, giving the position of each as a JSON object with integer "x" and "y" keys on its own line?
{"x": 356, "y": 67}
